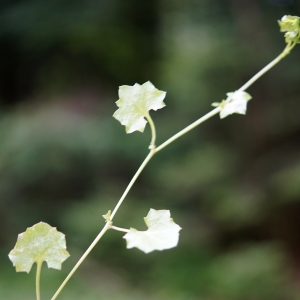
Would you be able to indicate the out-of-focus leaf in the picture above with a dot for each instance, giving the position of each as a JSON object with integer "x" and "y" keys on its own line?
{"x": 134, "y": 105}
{"x": 39, "y": 243}
{"x": 162, "y": 233}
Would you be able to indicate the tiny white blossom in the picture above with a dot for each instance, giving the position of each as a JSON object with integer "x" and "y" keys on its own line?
{"x": 235, "y": 103}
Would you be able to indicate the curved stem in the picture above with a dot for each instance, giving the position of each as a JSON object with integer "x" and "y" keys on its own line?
{"x": 188, "y": 128}
{"x": 38, "y": 279}
{"x": 284, "y": 53}
{"x": 153, "y": 131}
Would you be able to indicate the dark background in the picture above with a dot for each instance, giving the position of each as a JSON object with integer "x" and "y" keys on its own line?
{"x": 233, "y": 185}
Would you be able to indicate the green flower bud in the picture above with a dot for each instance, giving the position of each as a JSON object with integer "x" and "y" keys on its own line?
{"x": 290, "y": 25}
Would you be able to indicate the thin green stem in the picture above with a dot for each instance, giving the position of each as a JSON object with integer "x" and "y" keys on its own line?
{"x": 107, "y": 225}
{"x": 119, "y": 229}
{"x": 38, "y": 279}
{"x": 188, "y": 128}
{"x": 86, "y": 253}
{"x": 284, "y": 53}
{"x": 153, "y": 151}
{"x": 134, "y": 178}
{"x": 153, "y": 131}
{"x": 215, "y": 111}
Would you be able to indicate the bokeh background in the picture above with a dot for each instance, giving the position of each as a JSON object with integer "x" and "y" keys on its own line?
{"x": 233, "y": 185}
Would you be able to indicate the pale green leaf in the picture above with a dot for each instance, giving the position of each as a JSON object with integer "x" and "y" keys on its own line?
{"x": 162, "y": 233}
{"x": 39, "y": 243}
{"x": 107, "y": 216}
{"x": 235, "y": 103}
{"x": 134, "y": 105}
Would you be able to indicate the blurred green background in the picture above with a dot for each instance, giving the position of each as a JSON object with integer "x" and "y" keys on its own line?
{"x": 232, "y": 185}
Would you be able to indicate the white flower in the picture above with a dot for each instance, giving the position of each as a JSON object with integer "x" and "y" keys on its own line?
{"x": 235, "y": 103}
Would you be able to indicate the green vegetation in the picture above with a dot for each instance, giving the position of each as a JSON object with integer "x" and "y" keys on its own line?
{"x": 233, "y": 185}
{"x": 35, "y": 245}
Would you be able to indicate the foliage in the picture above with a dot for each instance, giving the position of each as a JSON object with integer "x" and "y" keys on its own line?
{"x": 134, "y": 104}
{"x": 236, "y": 103}
{"x": 39, "y": 243}
{"x": 162, "y": 233}
{"x": 226, "y": 206}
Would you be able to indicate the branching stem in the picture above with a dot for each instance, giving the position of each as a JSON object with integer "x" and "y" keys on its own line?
{"x": 108, "y": 224}
{"x": 153, "y": 151}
